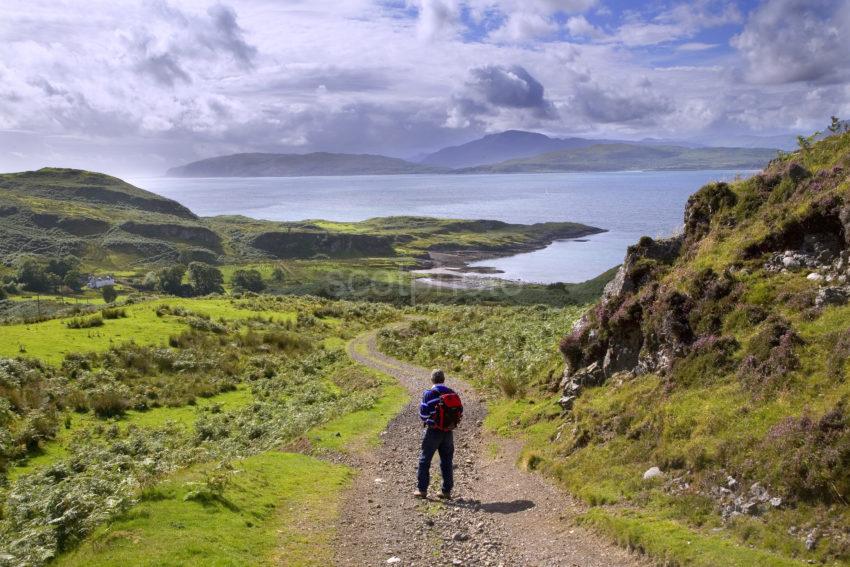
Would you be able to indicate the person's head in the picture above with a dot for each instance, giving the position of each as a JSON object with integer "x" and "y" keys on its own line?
{"x": 438, "y": 377}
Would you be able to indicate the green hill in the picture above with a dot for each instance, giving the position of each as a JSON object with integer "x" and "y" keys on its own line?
{"x": 111, "y": 224}
{"x": 621, "y": 157}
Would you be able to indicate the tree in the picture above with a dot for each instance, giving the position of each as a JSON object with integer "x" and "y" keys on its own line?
{"x": 109, "y": 293}
{"x": 170, "y": 280}
{"x": 61, "y": 266}
{"x": 150, "y": 281}
{"x": 74, "y": 280}
{"x": 248, "y": 280}
{"x": 205, "y": 279}
{"x": 32, "y": 276}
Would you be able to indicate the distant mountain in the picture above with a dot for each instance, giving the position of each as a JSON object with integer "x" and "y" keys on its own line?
{"x": 296, "y": 165}
{"x": 620, "y": 157}
{"x": 495, "y": 148}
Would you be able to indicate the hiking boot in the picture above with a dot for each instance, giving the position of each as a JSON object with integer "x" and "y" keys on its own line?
{"x": 444, "y": 496}
{"x": 418, "y": 494}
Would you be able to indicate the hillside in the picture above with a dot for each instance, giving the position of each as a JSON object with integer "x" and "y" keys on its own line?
{"x": 720, "y": 356}
{"x": 623, "y": 157}
{"x": 297, "y": 165}
{"x": 111, "y": 224}
{"x": 53, "y": 212}
{"x": 495, "y": 148}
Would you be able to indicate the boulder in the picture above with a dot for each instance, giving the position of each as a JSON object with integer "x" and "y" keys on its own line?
{"x": 652, "y": 472}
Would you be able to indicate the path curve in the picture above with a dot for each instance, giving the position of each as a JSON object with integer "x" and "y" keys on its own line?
{"x": 500, "y": 516}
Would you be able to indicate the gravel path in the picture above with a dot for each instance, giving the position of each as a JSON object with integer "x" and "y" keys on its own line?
{"x": 500, "y": 514}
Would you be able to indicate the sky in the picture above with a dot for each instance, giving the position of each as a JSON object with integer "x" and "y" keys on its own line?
{"x": 135, "y": 87}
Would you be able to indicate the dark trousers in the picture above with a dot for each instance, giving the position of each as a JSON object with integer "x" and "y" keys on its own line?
{"x": 436, "y": 441}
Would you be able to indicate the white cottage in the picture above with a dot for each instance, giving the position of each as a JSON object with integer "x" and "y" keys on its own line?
{"x": 97, "y": 282}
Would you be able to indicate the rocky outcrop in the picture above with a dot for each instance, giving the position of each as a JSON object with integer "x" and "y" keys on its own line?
{"x": 295, "y": 244}
{"x": 646, "y": 322}
{"x": 611, "y": 338}
{"x": 190, "y": 234}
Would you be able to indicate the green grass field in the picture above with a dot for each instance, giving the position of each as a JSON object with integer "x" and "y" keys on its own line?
{"x": 51, "y": 340}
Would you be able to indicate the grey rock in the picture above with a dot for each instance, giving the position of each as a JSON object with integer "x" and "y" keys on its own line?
{"x": 652, "y": 472}
{"x": 812, "y": 540}
{"x": 731, "y": 483}
{"x": 566, "y": 402}
{"x": 460, "y": 536}
{"x": 776, "y": 502}
{"x": 832, "y": 295}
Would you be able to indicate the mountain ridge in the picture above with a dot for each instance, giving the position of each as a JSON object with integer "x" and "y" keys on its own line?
{"x": 297, "y": 165}
{"x": 629, "y": 156}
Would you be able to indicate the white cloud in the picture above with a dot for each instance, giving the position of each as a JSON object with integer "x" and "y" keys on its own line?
{"x": 522, "y": 27}
{"x": 579, "y": 27}
{"x": 787, "y": 41}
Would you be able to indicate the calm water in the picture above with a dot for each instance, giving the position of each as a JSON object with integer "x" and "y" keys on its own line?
{"x": 627, "y": 204}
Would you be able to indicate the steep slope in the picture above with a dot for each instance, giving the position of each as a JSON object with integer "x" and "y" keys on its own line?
{"x": 295, "y": 165}
{"x": 622, "y": 156}
{"x": 721, "y": 357}
{"x": 494, "y": 148}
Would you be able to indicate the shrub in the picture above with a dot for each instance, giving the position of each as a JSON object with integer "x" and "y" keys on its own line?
{"x": 114, "y": 313}
{"x": 813, "y": 454}
{"x": 109, "y": 293}
{"x": 248, "y": 280}
{"x": 109, "y": 399}
{"x": 205, "y": 279}
{"x": 85, "y": 322}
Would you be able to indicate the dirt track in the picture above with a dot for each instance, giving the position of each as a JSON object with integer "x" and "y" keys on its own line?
{"x": 500, "y": 516}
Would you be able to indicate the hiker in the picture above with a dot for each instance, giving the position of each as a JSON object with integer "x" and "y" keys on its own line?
{"x": 440, "y": 411}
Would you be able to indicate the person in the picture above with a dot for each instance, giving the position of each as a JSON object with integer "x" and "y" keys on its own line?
{"x": 440, "y": 411}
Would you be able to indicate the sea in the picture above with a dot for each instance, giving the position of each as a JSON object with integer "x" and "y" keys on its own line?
{"x": 627, "y": 205}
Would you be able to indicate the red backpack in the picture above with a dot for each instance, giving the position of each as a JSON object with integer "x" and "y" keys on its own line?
{"x": 448, "y": 412}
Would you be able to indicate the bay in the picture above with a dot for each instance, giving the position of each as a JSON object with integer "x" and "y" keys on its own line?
{"x": 627, "y": 204}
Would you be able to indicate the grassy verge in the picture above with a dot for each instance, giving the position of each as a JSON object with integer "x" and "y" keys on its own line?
{"x": 275, "y": 510}
{"x": 672, "y": 544}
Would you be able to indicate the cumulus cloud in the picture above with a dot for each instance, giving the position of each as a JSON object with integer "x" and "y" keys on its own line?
{"x": 621, "y": 103}
{"x": 493, "y": 88}
{"x": 182, "y": 40}
{"x": 683, "y": 20}
{"x": 523, "y": 26}
{"x": 787, "y": 41}
{"x": 578, "y": 26}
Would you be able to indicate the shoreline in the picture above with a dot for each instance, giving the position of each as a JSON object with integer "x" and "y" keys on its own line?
{"x": 450, "y": 268}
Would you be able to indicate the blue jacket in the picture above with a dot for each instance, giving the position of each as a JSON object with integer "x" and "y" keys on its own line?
{"x": 429, "y": 402}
